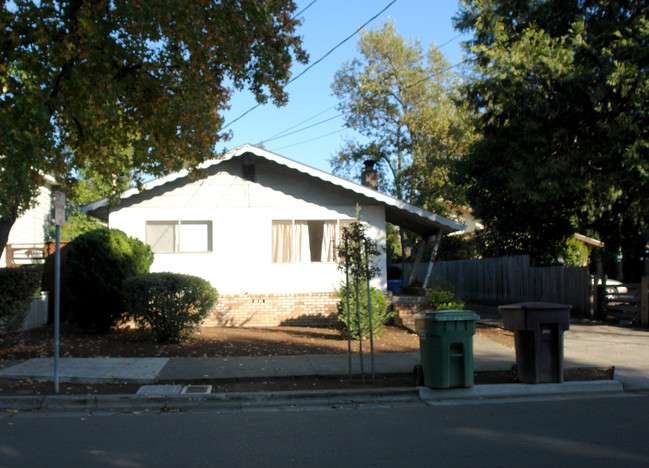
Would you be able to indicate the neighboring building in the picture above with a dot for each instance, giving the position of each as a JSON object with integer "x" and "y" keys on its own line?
{"x": 30, "y": 231}
{"x": 464, "y": 215}
{"x": 263, "y": 229}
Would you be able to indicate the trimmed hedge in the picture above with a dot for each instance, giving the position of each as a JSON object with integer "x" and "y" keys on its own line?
{"x": 169, "y": 307}
{"x": 17, "y": 287}
{"x": 379, "y": 316}
{"x": 99, "y": 261}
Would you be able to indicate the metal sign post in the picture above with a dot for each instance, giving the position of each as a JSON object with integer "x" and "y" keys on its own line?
{"x": 59, "y": 220}
{"x": 369, "y": 305}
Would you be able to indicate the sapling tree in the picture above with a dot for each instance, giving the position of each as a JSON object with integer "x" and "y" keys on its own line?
{"x": 357, "y": 252}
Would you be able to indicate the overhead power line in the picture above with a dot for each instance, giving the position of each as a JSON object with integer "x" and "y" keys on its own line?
{"x": 288, "y": 132}
{"x": 311, "y": 139}
{"x": 317, "y": 61}
{"x": 284, "y": 133}
{"x": 303, "y": 10}
{"x": 342, "y": 42}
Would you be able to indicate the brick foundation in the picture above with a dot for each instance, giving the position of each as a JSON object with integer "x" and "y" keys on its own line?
{"x": 308, "y": 309}
{"x": 406, "y": 307}
{"x": 271, "y": 310}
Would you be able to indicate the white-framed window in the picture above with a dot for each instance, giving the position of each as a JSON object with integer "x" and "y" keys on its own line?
{"x": 306, "y": 241}
{"x": 179, "y": 236}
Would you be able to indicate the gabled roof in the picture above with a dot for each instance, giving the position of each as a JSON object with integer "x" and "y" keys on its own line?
{"x": 397, "y": 212}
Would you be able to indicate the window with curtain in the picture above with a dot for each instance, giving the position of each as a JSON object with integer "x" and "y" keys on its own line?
{"x": 179, "y": 236}
{"x": 305, "y": 241}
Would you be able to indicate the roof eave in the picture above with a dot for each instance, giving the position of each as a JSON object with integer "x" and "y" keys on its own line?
{"x": 398, "y": 212}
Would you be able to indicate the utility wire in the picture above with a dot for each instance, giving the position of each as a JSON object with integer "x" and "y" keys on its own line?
{"x": 259, "y": 104}
{"x": 303, "y": 10}
{"x": 311, "y": 139}
{"x": 316, "y": 62}
{"x": 376, "y": 95}
{"x": 304, "y": 128}
{"x": 285, "y": 132}
{"x": 342, "y": 42}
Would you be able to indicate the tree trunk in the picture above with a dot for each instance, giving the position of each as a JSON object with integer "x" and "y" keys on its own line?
{"x": 6, "y": 223}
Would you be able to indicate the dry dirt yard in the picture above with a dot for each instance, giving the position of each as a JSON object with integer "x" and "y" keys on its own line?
{"x": 209, "y": 342}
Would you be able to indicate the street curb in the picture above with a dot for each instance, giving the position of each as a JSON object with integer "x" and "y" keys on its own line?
{"x": 240, "y": 400}
{"x": 520, "y": 390}
{"x": 305, "y": 398}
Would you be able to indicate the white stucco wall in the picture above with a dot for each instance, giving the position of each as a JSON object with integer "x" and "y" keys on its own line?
{"x": 242, "y": 213}
{"x": 30, "y": 228}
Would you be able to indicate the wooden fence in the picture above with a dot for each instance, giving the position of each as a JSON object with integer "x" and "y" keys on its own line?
{"x": 29, "y": 254}
{"x": 25, "y": 254}
{"x": 508, "y": 280}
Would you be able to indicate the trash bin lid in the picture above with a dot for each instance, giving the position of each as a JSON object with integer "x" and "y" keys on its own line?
{"x": 446, "y": 315}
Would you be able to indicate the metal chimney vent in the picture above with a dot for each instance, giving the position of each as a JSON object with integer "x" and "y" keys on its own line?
{"x": 369, "y": 176}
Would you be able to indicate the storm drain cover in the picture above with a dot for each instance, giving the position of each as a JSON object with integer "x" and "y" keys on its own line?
{"x": 197, "y": 389}
{"x": 159, "y": 390}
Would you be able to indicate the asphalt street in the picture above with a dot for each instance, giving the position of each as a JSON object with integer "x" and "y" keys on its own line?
{"x": 592, "y": 432}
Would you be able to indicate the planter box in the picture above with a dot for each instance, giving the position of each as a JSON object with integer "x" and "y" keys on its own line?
{"x": 37, "y": 314}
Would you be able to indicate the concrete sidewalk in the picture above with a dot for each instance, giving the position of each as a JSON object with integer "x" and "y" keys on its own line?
{"x": 488, "y": 356}
{"x": 585, "y": 345}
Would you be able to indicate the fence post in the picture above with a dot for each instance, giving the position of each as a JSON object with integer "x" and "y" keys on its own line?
{"x": 10, "y": 255}
{"x": 644, "y": 302}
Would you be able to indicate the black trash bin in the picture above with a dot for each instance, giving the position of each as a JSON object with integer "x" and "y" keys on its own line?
{"x": 538, "y": 335}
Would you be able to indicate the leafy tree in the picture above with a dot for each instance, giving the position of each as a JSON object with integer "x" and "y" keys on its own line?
{"x": 127, "y": 88}
{"x": 562, "y": 91}
{"x": 401, "y": 101}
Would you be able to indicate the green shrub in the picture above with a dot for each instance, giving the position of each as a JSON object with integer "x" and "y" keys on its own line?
{"x": 379, "y": 316}
{"x": 169, "y": 306}
{"x": 17, "y": 286}
{"x": 442, "y": 296}
{"x": 575, "y": 253}
{"x": 98, "y": 263}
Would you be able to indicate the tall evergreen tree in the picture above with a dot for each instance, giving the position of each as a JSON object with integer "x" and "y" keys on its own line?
{"x": 562, "y": 91}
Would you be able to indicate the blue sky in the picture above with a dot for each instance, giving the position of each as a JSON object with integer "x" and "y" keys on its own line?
{"x": 325, "y": 24}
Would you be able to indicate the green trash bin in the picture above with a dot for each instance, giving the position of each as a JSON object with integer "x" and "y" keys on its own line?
{"x": 446, "y": 347}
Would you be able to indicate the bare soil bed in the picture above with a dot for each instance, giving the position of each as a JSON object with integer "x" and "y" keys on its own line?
{"x": 208, "y": 342}
{"x": 213, "y": 342}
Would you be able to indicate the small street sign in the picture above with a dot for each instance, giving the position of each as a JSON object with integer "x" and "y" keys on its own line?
{"x": 59, "y": 208}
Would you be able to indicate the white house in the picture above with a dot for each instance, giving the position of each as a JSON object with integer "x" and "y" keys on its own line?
{"x": 263, "y": 229}
{"x": 30, "y": 231}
